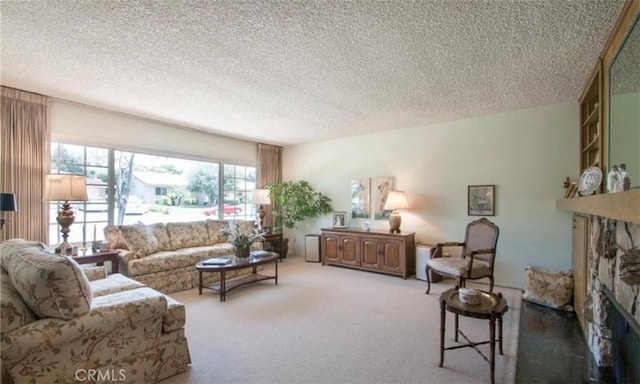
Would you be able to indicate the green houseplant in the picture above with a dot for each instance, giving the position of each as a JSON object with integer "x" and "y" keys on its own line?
{"x": 296, "y": 201}
{"x": 241, "y": 237}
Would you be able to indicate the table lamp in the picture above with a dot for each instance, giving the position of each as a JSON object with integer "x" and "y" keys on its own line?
{"x": 7, "y": 204}
{"x": 65, "y": 188}
{"x": 260, "y": 197}
{"x": 396, "y": 200}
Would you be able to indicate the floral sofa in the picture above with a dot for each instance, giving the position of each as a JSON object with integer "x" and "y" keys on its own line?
{"x": 163, "y": 256}
{"x": 58, "y": 326}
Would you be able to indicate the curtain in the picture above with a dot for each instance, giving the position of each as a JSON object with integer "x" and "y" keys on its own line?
{"x": 25, "y": 138}
{"x": 269, "y": 170}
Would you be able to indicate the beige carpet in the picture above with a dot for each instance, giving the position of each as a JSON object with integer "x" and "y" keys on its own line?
{"x": 324, "y": 324}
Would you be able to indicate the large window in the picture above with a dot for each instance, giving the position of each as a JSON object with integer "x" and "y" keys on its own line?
{"x": 128, "y": 187}
{"x": 92, "y": 214}
{"x": 238, "y": 183}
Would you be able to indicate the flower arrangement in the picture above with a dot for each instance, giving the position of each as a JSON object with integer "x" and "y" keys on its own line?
{"x": 241, "y": 235}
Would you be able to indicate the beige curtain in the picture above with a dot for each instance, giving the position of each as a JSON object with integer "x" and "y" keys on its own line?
{"x": 24, "y": 150}
{"x": 269, "y": 170}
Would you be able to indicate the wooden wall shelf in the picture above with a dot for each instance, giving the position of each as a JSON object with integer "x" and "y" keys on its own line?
{"x": 624, "y": 206}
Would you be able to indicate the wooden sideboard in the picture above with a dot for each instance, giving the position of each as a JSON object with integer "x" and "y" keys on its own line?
{"x": 376, "y": 251}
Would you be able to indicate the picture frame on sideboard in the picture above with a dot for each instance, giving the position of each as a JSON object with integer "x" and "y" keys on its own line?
{"x": 340, "y": 219}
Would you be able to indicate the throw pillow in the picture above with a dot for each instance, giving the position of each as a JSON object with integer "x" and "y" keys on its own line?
{"x": 548, "y": 288}
{"x": 51, "y": 285}
{"x": 139, "y": 239}
{"x": 114, "y": 237}
{"x": 214, "y": 227}
{"x": 162, "y": 235}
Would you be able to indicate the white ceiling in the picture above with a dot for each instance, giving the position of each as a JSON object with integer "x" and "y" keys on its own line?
{"x": 290, "y": 72}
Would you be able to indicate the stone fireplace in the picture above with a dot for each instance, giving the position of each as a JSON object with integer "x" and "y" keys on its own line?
{"x": 613, "y": 293}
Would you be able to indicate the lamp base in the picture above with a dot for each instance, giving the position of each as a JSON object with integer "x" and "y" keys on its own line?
{"x": 64, "y": 249}
{"x": 65, "y": 219}
{"x": 261, "y": 215}
{"x": 394, "y": 222}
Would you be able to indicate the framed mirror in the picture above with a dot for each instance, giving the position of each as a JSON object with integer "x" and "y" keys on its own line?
{"x": 624, "y": 104}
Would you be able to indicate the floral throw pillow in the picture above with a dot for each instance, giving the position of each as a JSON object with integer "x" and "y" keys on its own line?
{"x": 548, "y": 288}
{"x": 139, "y": 239}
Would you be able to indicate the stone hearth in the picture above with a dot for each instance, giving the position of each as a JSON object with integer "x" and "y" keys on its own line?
{"x": 614, "y": 262}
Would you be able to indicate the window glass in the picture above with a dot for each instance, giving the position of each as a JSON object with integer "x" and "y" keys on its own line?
{"x": 239, "y": 181}
{"x": 148, "y": 189}
{"x": 153, "y": 189}
{"x": 92, "y": 215}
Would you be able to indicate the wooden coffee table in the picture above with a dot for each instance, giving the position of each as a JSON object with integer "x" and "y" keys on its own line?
{"x": 236, "y": 263}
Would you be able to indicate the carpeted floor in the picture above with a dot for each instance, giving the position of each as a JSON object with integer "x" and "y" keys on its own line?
{"x": 324, "y": 324}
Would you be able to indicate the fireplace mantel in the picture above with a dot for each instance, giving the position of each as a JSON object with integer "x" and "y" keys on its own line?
{"x": 623, "y": 206}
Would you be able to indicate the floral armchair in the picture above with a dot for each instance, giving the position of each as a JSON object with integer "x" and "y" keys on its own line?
{"x": 57, "y": 326}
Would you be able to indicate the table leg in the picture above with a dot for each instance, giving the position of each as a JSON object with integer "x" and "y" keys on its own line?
{"x": 492, "y": 344}
{"x": 500, "y": 334}
{"x": 276, "y": 272}
{"x": 200, "y": 283}
{"x": 442, "y": 325}
{"x": 455, "y": 338}
{"x": 223, "y": 286}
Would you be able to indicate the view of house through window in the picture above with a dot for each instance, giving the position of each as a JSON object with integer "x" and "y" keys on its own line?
{"x": 137, "y": 187}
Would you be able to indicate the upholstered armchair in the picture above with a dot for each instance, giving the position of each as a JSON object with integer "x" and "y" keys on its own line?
{"x": 58, "y": 325}
{"x": 477, "y": 256}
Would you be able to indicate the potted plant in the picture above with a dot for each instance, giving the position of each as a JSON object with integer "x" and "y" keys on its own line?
{"x": 241, "y": 237}
{"x": 294, "y": 202}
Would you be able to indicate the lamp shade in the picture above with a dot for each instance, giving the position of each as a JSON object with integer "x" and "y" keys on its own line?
{"x": 8, "y": 202}
{"x": 396, "y": 200}
{"x": 65, "y": 188}
{"x": 260, "y": 197}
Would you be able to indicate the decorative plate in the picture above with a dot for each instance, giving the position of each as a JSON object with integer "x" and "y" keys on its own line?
{"x": 590, "y": 181}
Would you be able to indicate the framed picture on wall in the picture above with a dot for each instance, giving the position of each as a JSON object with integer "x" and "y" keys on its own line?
{"x": 339, "y": 219}
{"x": 382, "y": 186}
{"x": 360, "y": 192}
{"x": 481, "y": 200}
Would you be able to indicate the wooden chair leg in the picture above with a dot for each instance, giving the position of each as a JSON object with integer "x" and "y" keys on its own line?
{"x": 428, "y": 279}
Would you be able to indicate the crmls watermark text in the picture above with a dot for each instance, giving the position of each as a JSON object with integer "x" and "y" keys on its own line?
{"x": 101, "y": 375}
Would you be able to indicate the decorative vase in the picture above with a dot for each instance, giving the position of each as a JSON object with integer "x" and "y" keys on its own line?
{"x": 243, "y": 252}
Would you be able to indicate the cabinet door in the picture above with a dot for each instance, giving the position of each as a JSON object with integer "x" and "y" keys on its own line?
{"x": 370, "y": 253}
{"x": 393, "y": 256}
{"x": 350, "y": 249}
{"x": 579, "y": 265}
{"x": 330, "y": 248}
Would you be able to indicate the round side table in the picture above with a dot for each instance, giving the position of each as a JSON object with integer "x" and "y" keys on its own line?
{"x": 491, "y": 307}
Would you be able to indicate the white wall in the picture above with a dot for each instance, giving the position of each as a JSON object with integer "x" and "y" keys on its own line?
{"x": 73, "y": 123}
{"x": 525, "y": 153}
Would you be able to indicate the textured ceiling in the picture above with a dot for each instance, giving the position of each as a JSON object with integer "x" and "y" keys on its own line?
{"x": 289, "y": 72}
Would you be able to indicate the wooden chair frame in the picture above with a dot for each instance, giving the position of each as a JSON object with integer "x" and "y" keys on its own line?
{"x": 486, "y": 255}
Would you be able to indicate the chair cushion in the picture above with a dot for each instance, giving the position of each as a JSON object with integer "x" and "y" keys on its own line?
{"x": 113, "y": 284}
{"x": 51, "y": 285}
{"x": 548, "y": 288}
{"x": 455, "y": 266}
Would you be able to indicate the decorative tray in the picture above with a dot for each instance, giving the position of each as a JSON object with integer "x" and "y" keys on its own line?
{"x": 487, "y": 301}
